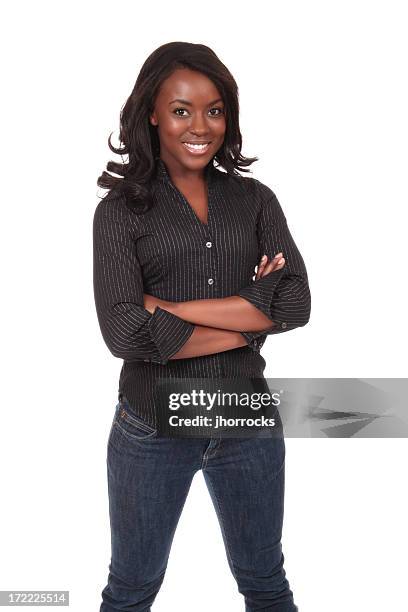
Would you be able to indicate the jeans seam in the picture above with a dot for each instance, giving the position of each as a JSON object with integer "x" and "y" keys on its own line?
{"x": 205, "y": 460}
{"x": 133, "y": 436}
{"x": 207, "y": 453}
{"x": 228, "y": 547}
{"x": 134, "y": 419}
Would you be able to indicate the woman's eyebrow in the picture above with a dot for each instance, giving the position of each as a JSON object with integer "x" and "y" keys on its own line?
{"x": 187, "y": 103}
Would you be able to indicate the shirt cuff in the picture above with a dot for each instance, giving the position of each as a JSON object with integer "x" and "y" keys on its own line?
{"x": 255, "y": 340}
{"x": 169, "y": 333}
{"x": 261, "y": 293}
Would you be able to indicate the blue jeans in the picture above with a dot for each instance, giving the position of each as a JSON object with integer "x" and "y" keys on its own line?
{"x": 148, "y": 481}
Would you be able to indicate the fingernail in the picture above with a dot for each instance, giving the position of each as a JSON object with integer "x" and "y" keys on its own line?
{"x": 263, "y": 257}
{"x": 278, "y": 255}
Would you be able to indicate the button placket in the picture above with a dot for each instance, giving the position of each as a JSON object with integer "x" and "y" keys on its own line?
{"x": 211, "y": 267}
{"x": 211, "y": 254}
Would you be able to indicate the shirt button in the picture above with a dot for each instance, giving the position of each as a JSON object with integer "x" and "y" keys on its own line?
{"x": 210, "y": 281}
{"x": 208, "y": 245}
{"x": 284, "y": 325}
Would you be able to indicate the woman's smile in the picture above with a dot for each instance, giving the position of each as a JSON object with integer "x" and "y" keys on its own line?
{"x": 197, "y": 148}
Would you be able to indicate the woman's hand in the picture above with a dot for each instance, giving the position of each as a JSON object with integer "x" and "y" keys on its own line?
{"x": 150, "y": 303}
{"x": 265, "y": 267}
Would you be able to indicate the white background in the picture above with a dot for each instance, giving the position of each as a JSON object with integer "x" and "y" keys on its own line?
{"x": 323, "y": 95}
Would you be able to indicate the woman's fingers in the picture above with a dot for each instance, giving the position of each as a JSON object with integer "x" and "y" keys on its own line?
{"x": 261, "y": 267}
{"x": 266, "y": 267}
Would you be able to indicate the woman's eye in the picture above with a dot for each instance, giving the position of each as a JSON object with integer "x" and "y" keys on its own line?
{"x": 179, "y": 109}
{"x": 218, "y": 109}
{"x": 220, "y": 112}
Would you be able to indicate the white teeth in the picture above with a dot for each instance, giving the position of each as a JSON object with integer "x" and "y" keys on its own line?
{"x": 198, "y": 147}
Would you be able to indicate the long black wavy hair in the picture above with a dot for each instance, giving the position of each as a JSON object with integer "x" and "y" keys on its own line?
{"x": 139, "y": 139}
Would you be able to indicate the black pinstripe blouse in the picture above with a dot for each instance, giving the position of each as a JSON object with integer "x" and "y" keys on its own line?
{"x": 170, "y": 253}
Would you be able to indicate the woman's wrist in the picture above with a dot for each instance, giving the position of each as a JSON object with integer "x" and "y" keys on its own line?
{"x": 169, "y": 306}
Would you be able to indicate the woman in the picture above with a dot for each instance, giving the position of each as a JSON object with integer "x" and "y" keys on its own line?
{"x": 176, "y": 245}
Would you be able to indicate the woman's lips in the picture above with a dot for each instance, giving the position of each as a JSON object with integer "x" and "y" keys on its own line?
{"x": 196, "y": 149}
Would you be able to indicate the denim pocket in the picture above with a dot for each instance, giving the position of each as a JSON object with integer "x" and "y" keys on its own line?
{"x": 130, "y": 425}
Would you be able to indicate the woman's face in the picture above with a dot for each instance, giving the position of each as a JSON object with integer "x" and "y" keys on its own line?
{"x": 188, "y": 109}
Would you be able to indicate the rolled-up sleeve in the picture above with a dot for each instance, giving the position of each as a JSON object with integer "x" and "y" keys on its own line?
{"x": 283, "y": 295}
{"x": 129, "y": 330}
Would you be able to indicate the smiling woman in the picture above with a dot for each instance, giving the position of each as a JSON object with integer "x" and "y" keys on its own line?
{"x": 190, "y": 135}
{"x": 177, "y": 98}
{"x": 199, "y": 131}
{"x": 176, "y": 244}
